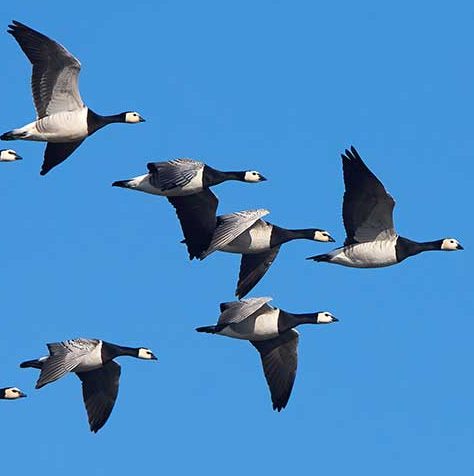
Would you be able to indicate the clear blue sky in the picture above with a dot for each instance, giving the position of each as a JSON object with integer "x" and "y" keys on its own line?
{"x": 282, "y": 87}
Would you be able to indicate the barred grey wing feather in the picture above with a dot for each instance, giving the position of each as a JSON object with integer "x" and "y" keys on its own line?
{"x": 238, "y": 311}
{"x": 173, "y": 173}
{"x": 54, "y": 79}
{"x": 231, "y": 226}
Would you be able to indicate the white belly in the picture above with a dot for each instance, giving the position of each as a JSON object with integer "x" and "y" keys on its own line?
{"x": 261, "y": 327}
{"x": 254, "y": 240}
{"x": 68, "y": 126}
{"x": 375, "y": 254}
{"x": 92, "y": 361}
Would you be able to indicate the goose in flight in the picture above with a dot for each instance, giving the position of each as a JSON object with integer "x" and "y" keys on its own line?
{"x": 62, "y": 119}
{"x": 179, "y": 177}
{"x": 367, "y": 211}
{"x": 272, "y": 332}
{"x": 245, "y": 233}
{"x": 92, "y": 361}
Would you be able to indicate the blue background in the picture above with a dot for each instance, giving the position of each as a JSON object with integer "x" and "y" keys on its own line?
{"x": 281, "y": 87}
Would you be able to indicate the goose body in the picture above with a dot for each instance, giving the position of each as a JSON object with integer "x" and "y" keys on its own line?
{"x": 271, "y": 331}
{"x": 63, "y": 120}
{"x": 181, "y": 177}
{"x": 11, "y": 393}
{"x": 245, "y": 233}
{"x": 371, "y": 240}
{"x": 92, "y": 361}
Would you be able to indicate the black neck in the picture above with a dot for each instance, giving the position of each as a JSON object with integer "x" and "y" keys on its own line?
{"x": 110, "y": 351}
{"x": 288, "y": 320}
{"x": 214, "y": 177}
{"x": 96, "y": 121}
{"x": 282, "y": 235}
{"x": 406, "y": 248}
{"x": 2, "y": 392}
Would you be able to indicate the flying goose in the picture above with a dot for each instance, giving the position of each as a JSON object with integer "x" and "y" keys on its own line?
{"x": 271, "y": 331}
{"x": 244, "y": 233}
{"x": 367, "y": 210}
{"x": 179, "y": 177}
{"x": 63, "y": 120}
{"x": 9, "y": 155}
{"x": 92, "y": 361}
{"x": 11, "y": 393}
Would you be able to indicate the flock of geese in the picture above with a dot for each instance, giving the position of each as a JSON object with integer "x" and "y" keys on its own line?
{"x": 63, "y": 121}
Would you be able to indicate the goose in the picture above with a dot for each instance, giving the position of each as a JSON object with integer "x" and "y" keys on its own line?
{"x": 62, "y": 119}
{"x": 181, "y": 177}
{"x": 92, "y": 361}
{"x": 9, "y": 155}
{"x": 11, "y": 393}
{"x": 367, "y": 210}
{"x": 243, "y": 232}
{"x": 271, "y": 331}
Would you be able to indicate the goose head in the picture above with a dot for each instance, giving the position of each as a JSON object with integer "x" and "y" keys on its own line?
{"x": 322, "y": 235}
{"x": 11, "y": 393}
{"x": 450, "y": 244}
{"x": 132, "y": 117}
{"x": 9, "y": 155}
{"x": 253, "y": 176}
{"x": 145, "y": 354}
{"x": 325, "y": 317}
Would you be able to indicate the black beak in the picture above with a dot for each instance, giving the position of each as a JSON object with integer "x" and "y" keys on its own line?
{"x": 335, "y": 319}
{"x": 153, "y": 357}
{"x": 141, "y": 119}
{"x": 459, "y": 247}
{"x": 18, "y": 157}
{"x": 262, "y": 178}
{"x": 121, "y": 183}
{"x": 331, "y": 239}
{"x": 22, "y": 395}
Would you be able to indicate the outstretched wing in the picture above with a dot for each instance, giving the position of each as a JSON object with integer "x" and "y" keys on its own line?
{"x": 252, "y": 269}
{"x": 197, "y": 216}
{"x": 99, "y": 391}
{"x": 54, "y": 80}
{"x": 57, "y": 153}
{"x": 367, "y": 207}
{"x": 280, "y": 361}
{"x": 64, "y": 357}
{"x": 174, "y": 173}
{"x": 231, "y": 226}
{"x": 237, "y": 311}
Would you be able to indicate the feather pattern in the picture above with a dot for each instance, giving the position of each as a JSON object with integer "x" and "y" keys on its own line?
{"x": 54, "y": 79}
{"x": 238, "y": 311}
{"x": 173, "y": 173}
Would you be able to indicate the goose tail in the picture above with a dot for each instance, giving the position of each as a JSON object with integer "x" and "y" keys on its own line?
{"x": 208, "y": 329}
{"x": 35, "y": 364}
{"x": 320, "y": 258}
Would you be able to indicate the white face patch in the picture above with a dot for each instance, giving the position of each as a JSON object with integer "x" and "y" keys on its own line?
{"x": 146, "y": 354}
{"x": 8, "y": 155}
{"x": 450, "y": 244}
{"x": 325, "y": 318}
{"x": 13, "y": 393}
{"x": 133, "y": 117}
{"x": 322, "y": 235}
{"x": 253, "y": 176}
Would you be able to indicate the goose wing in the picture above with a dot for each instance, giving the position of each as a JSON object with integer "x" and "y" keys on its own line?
{"x": 230, "y": 226}
{"x": 99, "y": 391}
{"x": 280, "y": 361}
{"x": 252, "y": 269}
{"x": 54, "y": 80}
{"x": 64, "y": 357}
{"x": 56, "y": 153}
{"x": 367, "y": 207}
{"x": 237, "y": 311}
{"x": 174, "y": 173}
{"x": 197, "y": 216}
